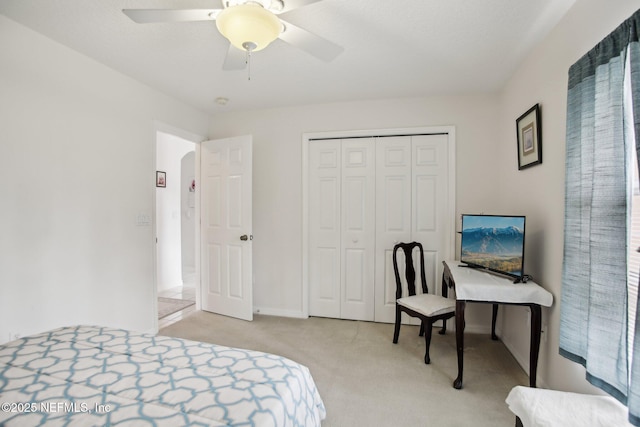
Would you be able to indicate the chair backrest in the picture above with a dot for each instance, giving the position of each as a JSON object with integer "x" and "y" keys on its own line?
{"x": 410, "y": 272}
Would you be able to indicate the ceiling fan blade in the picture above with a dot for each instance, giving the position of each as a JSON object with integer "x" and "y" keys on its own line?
{"x": 145, "y": 16}
{"x": 314, "y": 45}
{"x": 236, "y": 59}
{"x": 294, "y": 4}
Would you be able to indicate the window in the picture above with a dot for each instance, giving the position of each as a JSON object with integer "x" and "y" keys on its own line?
{"x": 633, "y": 183}
{"x": 633, "y": 267}
{"x": 602, "y": 216}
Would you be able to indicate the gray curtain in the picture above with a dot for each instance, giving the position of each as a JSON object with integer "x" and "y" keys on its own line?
{"x": 593, "y": 324}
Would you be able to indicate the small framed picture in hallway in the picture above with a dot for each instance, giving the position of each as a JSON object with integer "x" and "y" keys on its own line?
{"x": 161, "y": 179}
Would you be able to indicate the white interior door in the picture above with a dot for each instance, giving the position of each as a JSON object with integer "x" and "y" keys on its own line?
{"x": 342, "y": 228}
{"x": 358, "y": 229}
{"x": 412, "y": 204}
{"x": 364, "y": 195}
{"x": 226, "y": 216}
{"x": 393, "y": 217}
{"x": 324, "y": 228}
{"x": 430, "y": 211}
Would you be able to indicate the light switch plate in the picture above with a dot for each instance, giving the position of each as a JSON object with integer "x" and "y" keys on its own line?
{"x": 143, "y": 219}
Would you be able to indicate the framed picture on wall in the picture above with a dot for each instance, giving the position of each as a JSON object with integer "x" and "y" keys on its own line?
{"x": 529, "y": 130}
{"x": 161, "y": 179}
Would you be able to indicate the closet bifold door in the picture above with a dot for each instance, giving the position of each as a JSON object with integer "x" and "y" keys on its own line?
{"x": 342, "y": 228}
{"x": 411, "y": 205}
{"x": 430, "y": 212}
{"x": 393, "y": 218}
{"x": 365, "y": 194}
{"x": 325, "y": 166}
{"x": 358, "y": 228}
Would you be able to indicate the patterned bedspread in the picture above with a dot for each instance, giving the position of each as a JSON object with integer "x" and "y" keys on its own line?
{"x": 90, "y": 376}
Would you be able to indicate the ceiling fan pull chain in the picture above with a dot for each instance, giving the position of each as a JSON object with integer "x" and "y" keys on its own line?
{"x": 249, "y": 65}
{"x": 249, "y": 47}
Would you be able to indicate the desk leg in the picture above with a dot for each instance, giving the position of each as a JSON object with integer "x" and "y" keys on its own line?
{"x": 494, "y": 316}
{"x": 460, "y": 305}
{"x": 536, "y": 326}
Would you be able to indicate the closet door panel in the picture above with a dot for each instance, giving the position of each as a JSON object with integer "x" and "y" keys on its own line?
{"x": 393, "y": 217}
{"x": 324, "y": 228}
{"x": 430, "y": 207}
{"x": 358, "y": 229}
{"x": 355, "y": 275}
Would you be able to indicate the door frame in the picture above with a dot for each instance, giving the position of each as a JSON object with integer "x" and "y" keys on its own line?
{"x": 159, "y": 126}
{"x": 408, "y": 131}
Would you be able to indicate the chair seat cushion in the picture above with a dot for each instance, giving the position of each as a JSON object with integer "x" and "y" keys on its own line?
{"x": 428, "y": 304}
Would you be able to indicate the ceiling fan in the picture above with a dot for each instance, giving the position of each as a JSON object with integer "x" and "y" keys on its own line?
{"x": 249, "y": 25}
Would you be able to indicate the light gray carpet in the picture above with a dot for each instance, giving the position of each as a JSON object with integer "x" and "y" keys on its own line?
{"x": 168, "y": 306}
{"x": 366, "y": 380}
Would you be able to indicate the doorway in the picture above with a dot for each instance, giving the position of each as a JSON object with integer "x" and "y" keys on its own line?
{"x": 175, "y": 214}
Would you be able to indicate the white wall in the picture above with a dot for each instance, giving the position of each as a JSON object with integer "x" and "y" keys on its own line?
{"x": 277, "y": 174}
{"x": 170, "y": 150}
{"x": 76, "y": 169}
{"x": 538, "y": 191}
{"x": 188, "y": 222}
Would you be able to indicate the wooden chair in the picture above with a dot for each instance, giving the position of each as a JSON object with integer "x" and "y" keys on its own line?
{"x": 429, "y": 308}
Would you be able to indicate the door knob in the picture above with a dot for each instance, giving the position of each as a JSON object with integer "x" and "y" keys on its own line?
{"x": 244, "y": 237}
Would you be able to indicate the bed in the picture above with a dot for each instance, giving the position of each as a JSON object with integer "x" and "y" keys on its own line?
{"x": 88, "y": 375}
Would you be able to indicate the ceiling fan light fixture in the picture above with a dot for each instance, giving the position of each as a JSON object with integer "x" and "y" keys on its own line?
{"x": 248, "y": 24}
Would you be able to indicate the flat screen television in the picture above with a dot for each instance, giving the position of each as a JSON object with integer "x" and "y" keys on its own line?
{"x": 494, "y": 243}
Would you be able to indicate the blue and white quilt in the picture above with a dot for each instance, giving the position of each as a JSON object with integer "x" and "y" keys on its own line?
{"x": 95, "y": 376}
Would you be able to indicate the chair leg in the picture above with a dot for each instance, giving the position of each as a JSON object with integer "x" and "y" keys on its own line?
{"x": 427, "y": 340}
{"x": 422, "y": 328}
{"x": 396, "y": 332}
{"x": 444, "y": 327}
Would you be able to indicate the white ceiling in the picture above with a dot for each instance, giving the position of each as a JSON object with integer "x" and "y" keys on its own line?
{"x": 393, "y": 48}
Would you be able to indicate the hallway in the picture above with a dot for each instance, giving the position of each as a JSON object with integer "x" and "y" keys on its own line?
{"x": 176, "y": 293}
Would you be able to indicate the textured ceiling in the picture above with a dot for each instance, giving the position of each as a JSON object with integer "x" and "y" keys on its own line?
{"x": 393, "y": 48}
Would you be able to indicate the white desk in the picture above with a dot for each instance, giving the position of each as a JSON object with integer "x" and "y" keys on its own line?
{"x": 473, "y": 285}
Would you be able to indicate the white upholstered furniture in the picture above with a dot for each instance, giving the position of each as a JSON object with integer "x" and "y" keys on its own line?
{"x": 536, "y": 407}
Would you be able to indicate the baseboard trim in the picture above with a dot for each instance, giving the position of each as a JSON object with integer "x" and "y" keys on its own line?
{"x": 523, "y": 361}
{"x": 279, "y": 312}
{"x": 469, "y": 328}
